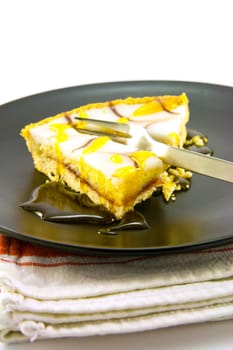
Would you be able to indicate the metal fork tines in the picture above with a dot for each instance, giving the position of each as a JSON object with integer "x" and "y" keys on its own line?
{"x": 96, "y": 126}
{"x": 138, "y": 137}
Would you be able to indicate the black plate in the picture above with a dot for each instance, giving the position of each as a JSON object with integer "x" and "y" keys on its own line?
{"x": 199, "y": 218}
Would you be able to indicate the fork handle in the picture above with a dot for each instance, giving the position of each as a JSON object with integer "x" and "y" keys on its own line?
{"x": 196, "y": 162}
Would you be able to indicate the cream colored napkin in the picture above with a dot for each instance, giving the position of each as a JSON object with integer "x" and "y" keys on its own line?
{"x": 49, "y": 294}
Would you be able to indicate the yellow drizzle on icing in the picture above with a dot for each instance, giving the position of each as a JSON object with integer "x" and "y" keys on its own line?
{"x": 141, "y": 157}
{"x": 116, "y": 158}
{"x": 167, "y": 103}
{"x": 173, "y": 139}
{"x": 81, "y": 124}
{"x": 60, "y": 130}
{"x": 148, "y": 108}
{"x": 61, "y": 136}
{"x": 96, "y": 144}
{"x": 124, "y": 171}
{"x": 83, "y": 114}
{"x": 122, "y": 120}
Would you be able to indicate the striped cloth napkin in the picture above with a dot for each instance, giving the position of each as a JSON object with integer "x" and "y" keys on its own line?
{"x": 50, "y": 294}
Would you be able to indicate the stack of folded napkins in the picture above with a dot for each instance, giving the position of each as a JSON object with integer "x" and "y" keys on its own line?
{"x": 50, "y": 294}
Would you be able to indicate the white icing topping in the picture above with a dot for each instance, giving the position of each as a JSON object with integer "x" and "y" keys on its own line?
{"x": 162, "y": 129}
{"x": 104, "y": 159}
{"x": 126, "y": 110}
{"x": 44, "y": 134}
{"x": 102, "y": 113}
{"x": 72, "y": 144}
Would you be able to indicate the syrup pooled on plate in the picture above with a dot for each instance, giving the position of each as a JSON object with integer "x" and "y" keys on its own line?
{"x": 197, "y": 142}
{"x": 53, "y": 202}
{"x": 133, "y": 220}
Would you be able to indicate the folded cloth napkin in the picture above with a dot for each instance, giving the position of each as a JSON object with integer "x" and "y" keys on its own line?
{"x": 50, "y": 294}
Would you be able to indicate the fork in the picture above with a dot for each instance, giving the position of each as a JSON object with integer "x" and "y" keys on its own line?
{"x": 138, "y": 137}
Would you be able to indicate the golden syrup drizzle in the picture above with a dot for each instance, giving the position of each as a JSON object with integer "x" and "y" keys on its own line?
{"x": 61, "y": 136}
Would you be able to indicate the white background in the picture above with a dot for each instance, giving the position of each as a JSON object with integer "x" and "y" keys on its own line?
{"x": 50, "y": 44}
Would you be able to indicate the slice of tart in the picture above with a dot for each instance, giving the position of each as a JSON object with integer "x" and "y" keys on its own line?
{"x": 110, "y": 173}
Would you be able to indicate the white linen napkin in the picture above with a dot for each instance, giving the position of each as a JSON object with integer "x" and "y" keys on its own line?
{"x": 50, "y": 294}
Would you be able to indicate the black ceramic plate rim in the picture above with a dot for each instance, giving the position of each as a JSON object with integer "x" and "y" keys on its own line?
{"x": 141, "y": 251}
{"x": 117, "y": 251}
{"x": 180, "y": 82}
